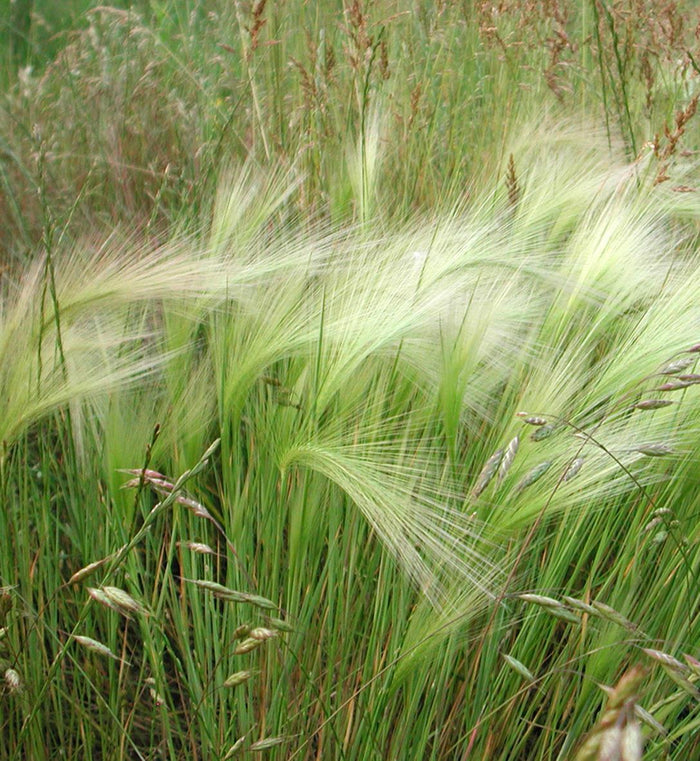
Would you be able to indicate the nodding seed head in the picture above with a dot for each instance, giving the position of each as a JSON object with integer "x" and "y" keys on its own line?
{"x": 573, "y": 469}
{"x": 532, "y": 419}
{"x": 487, "y": 473}
{"x": 677, "y": 366}
{"x": 12, "y": 680}
{"x": 508, "y": 457}
{"x": 653, "y": 404}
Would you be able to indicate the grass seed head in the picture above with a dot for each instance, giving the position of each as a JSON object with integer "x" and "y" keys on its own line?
{"x": 198, "y": 547}
{"x": 247, "y": 645}
{"x": 87, "y": 570}
{"x": 685, "y": 684}
{"x": 573, "y": 469}
{"x": 693, "y": 664}
{"x": 195, "y": 507}
{"x": 122, "y": 601}
{"x": 235, "y": 748}
{"x": 564, "y": 614}
{"x": 268, "y": 742}
{"x": 653, "y": 404}
{"x": 280, "y": 624}
{"x": 532, "y": 419}
{"x": 655, "y": 449}
{"x": 534, "y": 475}
{"x": 631, "y": 741}
{"x": 673, "y": 368}
{"x": 262, "y": 633}
{"x": 487, "y": 473}
{"x": 674, "y": 385}
{"x": 664, "y": 659}
{"x": 541, "y": 600}
{"x": 580, "y": 605}
{"x": 12, "y": 680}
{"x": 508, "y": 457}
{"x": 519, "y": 668}
{"x": 610, "y": 614}
{"x": 95, "y": 646}
{"x": 239, "y": 677}
{"x": 544, "y": 432}
{"x": 99, "y": 596}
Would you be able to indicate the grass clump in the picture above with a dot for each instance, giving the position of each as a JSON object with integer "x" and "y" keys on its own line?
{"x": 349, "y": 392}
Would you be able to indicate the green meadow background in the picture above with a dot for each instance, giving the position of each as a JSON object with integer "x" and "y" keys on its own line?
{"x": 349, "y": 399}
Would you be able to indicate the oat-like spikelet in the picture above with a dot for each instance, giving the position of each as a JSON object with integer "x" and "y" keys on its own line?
{"x": 653, "y": 404}
{"x": 544, "y": 432}
{"x": 519, "y": 667}
{"x": 118, "y": 600}
{"x": 239, "y": 677}
{"x": 262, "y": 633}
{"x": 541, "y": 600}
{"x": 534, "y": 475}
{"x": 247, "y": 645}
{"x": 96, "y": 646}
{"x": 487, "y": 473}
{"x": 535, "y": 420}
{"x": 235, "y": 749}
{"x": 508, "y": 457}
{"x": 268, "y": 742}
{"x": 654, "y": 449}
{"x": 232, "y": 595}
{"x": 617, "y": 734}
{"x": 12, "y": 680}
{"x": 665, "y": 659}
{"x": 573, "y": 470}
{"x": 677, "y": 366}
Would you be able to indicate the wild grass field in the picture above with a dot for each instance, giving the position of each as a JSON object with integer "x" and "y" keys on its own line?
{"x": 350, "y": 371}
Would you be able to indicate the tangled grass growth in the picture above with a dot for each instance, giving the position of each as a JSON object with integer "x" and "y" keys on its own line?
{"x": 416, "y": 424}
